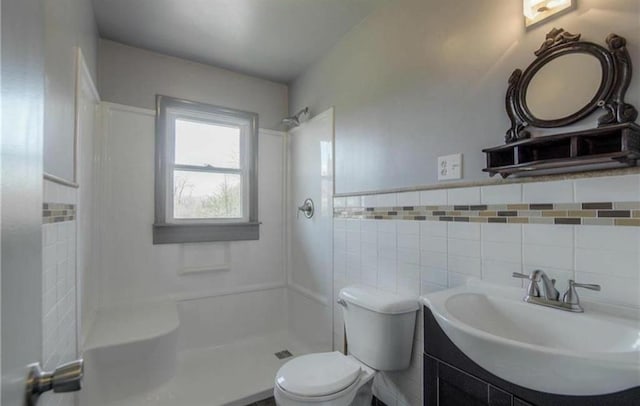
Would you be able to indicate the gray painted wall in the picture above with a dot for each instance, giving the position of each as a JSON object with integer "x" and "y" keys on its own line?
{"x": 134, "y": 76}
{"x": 67, "y": 24}
{"x": 419, "y": 79}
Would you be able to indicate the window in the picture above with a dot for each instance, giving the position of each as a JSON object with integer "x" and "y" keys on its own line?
{"x": 206, "y": 173}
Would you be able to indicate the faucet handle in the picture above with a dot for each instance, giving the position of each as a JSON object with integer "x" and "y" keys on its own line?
{"x": 520, "y": 275}
{"x": 571, "y": 297}
{"x": 585, "y": 285}
{"x": 533, "y": 290}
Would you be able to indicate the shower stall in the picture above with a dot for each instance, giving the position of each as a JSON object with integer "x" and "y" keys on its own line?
{"x": 205, "y": 323}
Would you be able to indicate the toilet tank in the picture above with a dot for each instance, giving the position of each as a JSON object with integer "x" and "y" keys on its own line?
{"x": 379, "y": 326}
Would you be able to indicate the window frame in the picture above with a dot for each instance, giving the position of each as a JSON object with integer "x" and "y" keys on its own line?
{"x": 166, "y": 228}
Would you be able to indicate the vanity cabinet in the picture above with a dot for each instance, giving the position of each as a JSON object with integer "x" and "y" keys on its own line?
{"x": 453, "y": 379}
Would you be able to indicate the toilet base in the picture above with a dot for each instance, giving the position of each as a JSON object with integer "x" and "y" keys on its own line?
{"x": 364, "y": 396}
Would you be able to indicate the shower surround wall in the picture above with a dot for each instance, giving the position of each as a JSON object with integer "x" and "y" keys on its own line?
{"x": 242, "y": 287}
{"x": 225, "y": 290}
{"x": 309, "y": 257}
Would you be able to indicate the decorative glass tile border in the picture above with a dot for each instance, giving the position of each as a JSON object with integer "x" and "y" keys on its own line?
{"x": 58, "y": 212}
{"x": 592, "y": 213}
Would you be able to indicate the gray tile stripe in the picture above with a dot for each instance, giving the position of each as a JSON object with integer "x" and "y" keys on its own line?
{"x": 58, "y": 212}
{"x": 584, "y": 213}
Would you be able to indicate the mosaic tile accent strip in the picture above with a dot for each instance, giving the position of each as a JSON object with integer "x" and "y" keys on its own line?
{"x": 58, "y": 212}
{"x": 588, "y": 213}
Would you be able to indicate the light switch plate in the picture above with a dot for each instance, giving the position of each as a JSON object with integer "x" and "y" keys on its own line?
{"x": 450, "y": 167}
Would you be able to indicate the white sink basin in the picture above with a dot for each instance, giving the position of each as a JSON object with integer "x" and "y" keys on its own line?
{"x": 540, "y": 348}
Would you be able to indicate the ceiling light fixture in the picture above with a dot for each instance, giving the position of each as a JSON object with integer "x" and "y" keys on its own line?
{"x": 537, "y": 11}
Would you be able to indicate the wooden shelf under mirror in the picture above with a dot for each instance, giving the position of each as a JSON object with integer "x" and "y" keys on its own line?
{"x": 617, "y": 145}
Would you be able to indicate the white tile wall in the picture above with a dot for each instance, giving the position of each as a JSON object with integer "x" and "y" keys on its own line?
{"x": 59, "y": 317}
{"x": 417, "y": 257}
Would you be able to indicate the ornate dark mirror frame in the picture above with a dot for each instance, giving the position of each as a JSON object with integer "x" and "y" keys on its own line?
{"x": 616, "y": 76}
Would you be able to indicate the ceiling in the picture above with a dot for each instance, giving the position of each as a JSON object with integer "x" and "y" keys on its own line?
{"x": 273, "y": 39}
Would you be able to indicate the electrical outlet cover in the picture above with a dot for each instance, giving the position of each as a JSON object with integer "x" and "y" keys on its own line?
{"x": 450, "y": 167}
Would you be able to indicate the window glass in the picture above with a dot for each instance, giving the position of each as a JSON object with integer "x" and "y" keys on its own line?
{"x": 204, "y": 195}
{"x": 205, "y": 144}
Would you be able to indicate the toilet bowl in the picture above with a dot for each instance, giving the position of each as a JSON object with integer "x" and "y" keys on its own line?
{"x": 379, "y": 329}
{"x": 324, "y": 379}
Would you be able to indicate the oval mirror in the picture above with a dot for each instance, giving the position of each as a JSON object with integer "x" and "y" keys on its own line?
{"x": 564, "y": 86}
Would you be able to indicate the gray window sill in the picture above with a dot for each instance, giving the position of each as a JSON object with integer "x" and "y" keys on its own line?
{"x": 188, "y": 233}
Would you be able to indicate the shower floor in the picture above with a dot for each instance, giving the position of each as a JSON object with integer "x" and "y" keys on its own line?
{"x": 236, "y": 374}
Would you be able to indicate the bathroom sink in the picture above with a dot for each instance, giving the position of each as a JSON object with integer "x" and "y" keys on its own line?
{"x": 540, "y": 348}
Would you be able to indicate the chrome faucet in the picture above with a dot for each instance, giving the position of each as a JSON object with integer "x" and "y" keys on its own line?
{"x": 570, "y": 300}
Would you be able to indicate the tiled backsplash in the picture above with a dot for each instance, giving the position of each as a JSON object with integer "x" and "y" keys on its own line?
{"x": 58, "y": 212}
{"x": 417, "y": 257}
{"x": 58, "y": 282}
{"x": 593, "y": 213}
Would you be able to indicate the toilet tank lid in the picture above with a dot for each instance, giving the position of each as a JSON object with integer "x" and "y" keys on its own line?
{"x": 379, "y": 301}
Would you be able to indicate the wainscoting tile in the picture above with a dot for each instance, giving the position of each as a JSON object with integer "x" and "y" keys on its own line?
{"x": 464, "y": 231}
{"x": 387, "y": 200}
{"x": 469, "y": 195}
{"x": 339, "y": 202}
{"x": 435, "y": 244}
{"x": 458, "y": 279}
{"x": 386, "y": 226}
{"x": 607, "y": 189}
{"x": 433, "y": 229}
{"x": 408, "y": 256}
{"x": 436, "y": 276}
{"x": 428, "y": 287}
{"x": 369, "y": 201}
{"x": 547, "y": 192}
{"x": 409, "y": 241}
{"x": 433, "y": 259}
{"x": 368, "y": 226}
{"x": 353, "y": 242}
{"x": 408, "y": 199}
{"x": 408, "y": 227}
{"x": 548, "y": 256}
{"x": 409, "y": 271}
{"x": 464, "y": 248}
{"x": 433, "y": 197}
{"x": 464, "y": 265}
{"x": 541, "y": 234}
{"x": 615, "y": 290}
{"x": 605, "y": 262}
{"x": 353, "y": 270}
{"x": 339, "y": 264}
{"x": 502, "y": 194}
{"x": 353, "y": 225}
{"x": 626, "y": 239}
{"x": 502, "y": 251}
{"x": 508, "y": 233}
{"x": 354, "y": 201}
{"x": 499, "y": 272}
{"x": 387, "y": 240}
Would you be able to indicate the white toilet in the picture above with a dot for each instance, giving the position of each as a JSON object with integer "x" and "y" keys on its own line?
{"x": 379, "y": 328}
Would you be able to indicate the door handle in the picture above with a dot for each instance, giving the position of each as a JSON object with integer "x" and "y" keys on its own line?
{"x": 66, "y": 378}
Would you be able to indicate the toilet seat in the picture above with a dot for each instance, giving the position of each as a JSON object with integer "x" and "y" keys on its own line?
{"x": 318, "y": 375}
